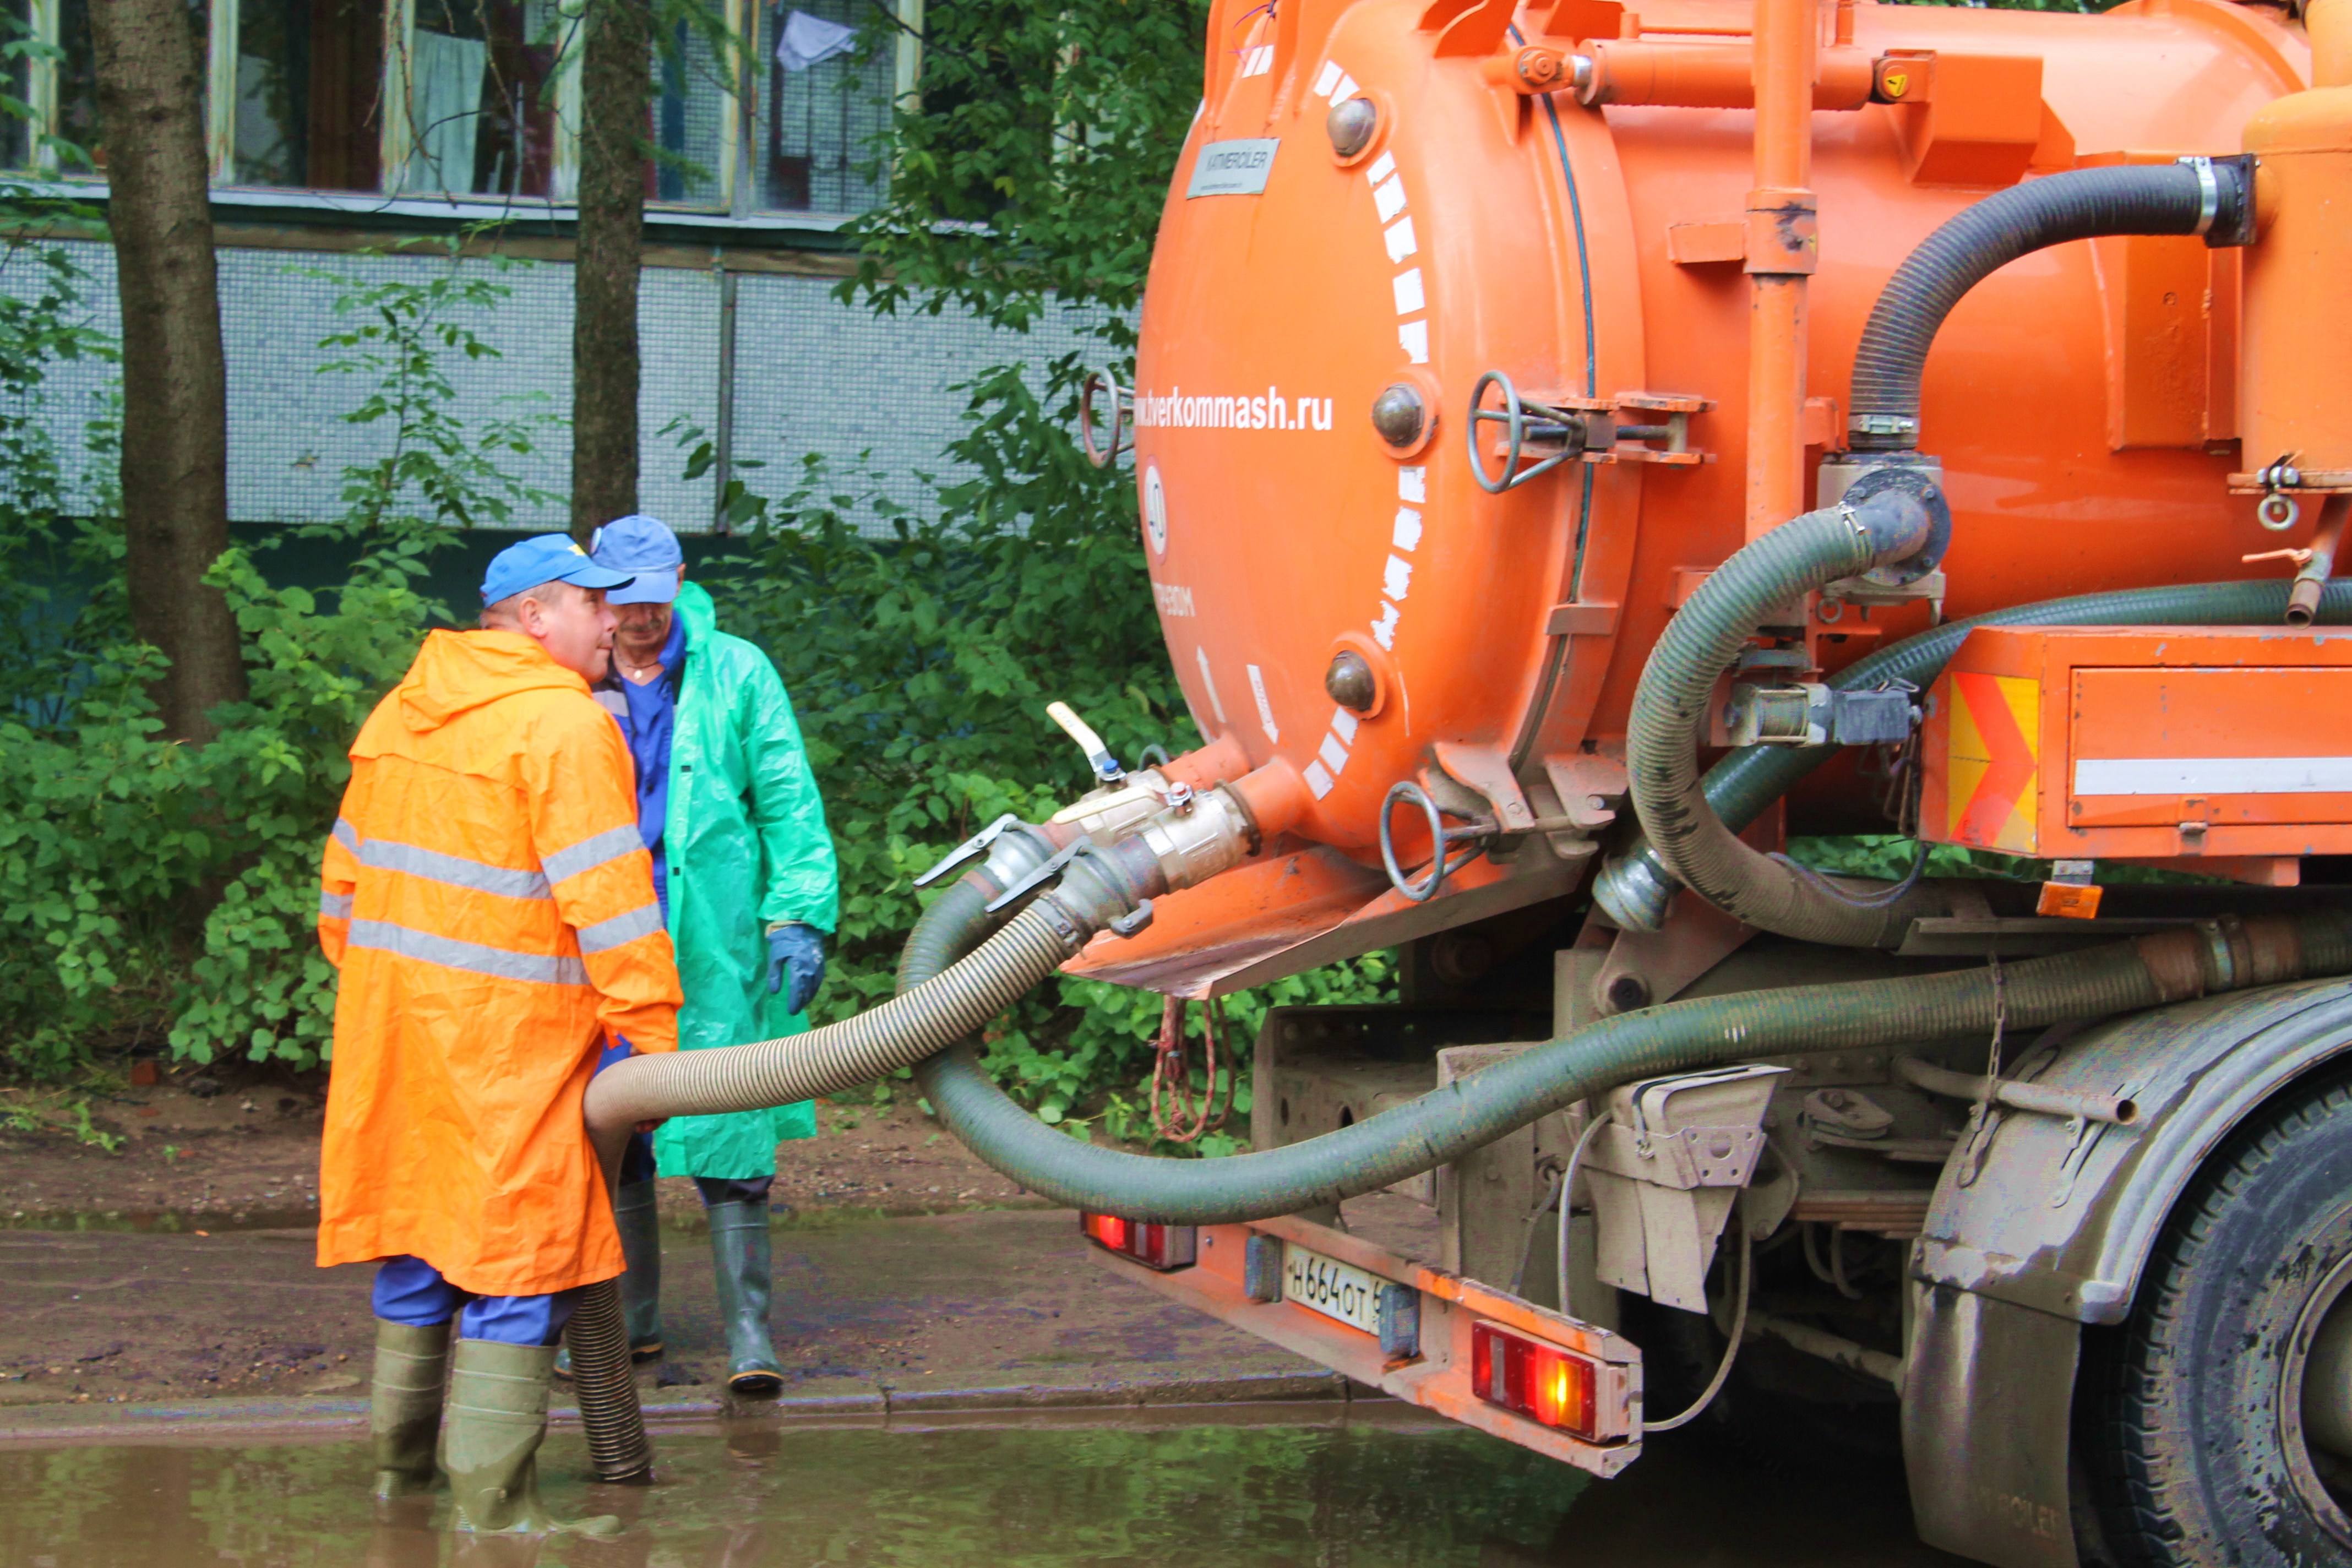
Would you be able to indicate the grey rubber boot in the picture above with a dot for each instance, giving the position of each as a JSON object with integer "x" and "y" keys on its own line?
{"x": 489, "y": 1447}
{"x": 405, "y": 1411}
{"x": 740, "y": 1256}
{"x": 639, "y": 1223}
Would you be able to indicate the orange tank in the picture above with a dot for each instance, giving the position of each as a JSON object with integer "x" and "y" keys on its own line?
{"x": 1328, "y": 291}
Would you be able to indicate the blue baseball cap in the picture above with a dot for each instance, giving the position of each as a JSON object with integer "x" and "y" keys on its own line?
{"x": 545, "y": 558}
{"x": 644, "y": 548}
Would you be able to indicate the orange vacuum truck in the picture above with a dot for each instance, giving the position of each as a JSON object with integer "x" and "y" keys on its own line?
{"x": 1579, "y": 446}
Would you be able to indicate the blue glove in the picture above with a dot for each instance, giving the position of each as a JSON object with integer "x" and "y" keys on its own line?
{"x": 799, "y": 949}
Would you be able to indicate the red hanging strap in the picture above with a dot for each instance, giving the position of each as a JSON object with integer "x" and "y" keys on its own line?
{"x": 1174, "y": 1116}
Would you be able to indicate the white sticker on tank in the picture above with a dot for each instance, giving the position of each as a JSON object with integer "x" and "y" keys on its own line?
{"x": 1381, "y": 168}
{"x": 1407, "y": 288}
{"x": 1399, "y": 237}
{"x": 1412, "y": 484}
{"x": 1388, "y": 198}
{"x": 1334, "y": 754}
{"x": 1236, "y": 168}
{"x": 1327, "y": 79}
{"x": 1216, "y": 704}
{"x": 1408, "y": 529}
{"x": 1343, "y": 724}
{"x": 1345, "y": 90}
{"x": 1155, "y": 508}
{"x": 1413, "y": 338}
{"x": 1384, "y": 630}
{"x": 1258, "y": 61}
{"x": 1398, "y": 579}
{"x": 1317, "y": 780}
{"x": 1173, "y": 599}
{"x": 1264, "y": 708}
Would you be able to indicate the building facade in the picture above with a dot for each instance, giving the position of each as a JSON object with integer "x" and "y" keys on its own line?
{"x": 351, "y": 142}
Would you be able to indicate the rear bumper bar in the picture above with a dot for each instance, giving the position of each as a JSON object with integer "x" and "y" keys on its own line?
{"x": 1438, "y": 1378}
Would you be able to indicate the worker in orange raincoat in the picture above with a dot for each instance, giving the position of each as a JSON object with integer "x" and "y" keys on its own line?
{"x": 491, "y": 904}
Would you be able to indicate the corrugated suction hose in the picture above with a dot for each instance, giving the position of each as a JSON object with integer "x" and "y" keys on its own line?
{"x": 1889, "y": 515}
{"x": 959, "y": 999}
{"x": 2081, "y": 203}
{"x": 1636, "y": 885}
{"x": 1680, "y": 1037}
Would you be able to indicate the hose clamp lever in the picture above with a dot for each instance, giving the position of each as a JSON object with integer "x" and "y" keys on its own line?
{"x": 977, "y": 844}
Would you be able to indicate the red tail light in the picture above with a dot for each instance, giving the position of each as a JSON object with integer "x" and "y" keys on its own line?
{"x": 1161, "y": 1246}
{"x": 1537, "y": 1380}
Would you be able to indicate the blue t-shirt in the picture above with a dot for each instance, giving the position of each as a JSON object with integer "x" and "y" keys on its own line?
{"x": 653, "y": 713}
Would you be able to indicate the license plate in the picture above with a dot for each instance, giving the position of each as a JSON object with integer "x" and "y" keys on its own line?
{"x": 1336, "y": 1289}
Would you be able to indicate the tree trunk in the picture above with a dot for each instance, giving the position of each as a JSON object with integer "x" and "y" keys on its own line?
{"x": 149, "y": 69}
{"x": 615, "y": 86}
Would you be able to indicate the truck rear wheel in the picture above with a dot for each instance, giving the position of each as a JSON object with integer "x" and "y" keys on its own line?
{"x": 2220, "y": 1418}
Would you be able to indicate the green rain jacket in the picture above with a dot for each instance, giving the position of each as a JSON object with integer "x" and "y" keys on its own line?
{"x": 747, "y": 845}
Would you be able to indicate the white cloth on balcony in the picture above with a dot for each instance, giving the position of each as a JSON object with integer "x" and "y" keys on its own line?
{"x": 811, "y": 41}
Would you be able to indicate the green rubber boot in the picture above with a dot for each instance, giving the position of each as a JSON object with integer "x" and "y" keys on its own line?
{"x": 404, "y": 1414}
{"x": 740, "y": 1253}
{"x": 639, "y": 1223}
{"x": 497, "y": 1419}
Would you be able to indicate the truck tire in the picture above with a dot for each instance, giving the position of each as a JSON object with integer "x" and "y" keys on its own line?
{"x": 2195, "y": 1440}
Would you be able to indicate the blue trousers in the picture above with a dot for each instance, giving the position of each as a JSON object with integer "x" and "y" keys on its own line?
{"x": 410, "y": 1290}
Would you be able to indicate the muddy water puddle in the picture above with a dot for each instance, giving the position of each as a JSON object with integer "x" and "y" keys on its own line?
{"x": 1249, "y": 1493}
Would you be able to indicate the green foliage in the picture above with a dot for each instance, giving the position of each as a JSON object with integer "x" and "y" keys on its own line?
{"x": 58, "y": 1110}
{"x": 436, "y": 473}
{"x": 1890, "y": 856}
{"x": 1031, "y": 175}
{"x": 139, "y": 877}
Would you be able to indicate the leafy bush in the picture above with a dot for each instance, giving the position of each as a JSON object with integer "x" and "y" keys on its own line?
{"x": 144, "y": 881}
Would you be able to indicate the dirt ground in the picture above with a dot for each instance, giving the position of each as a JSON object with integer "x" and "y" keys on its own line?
{"x": 239, "y": 1144}
{"x": 182, "y": 1266}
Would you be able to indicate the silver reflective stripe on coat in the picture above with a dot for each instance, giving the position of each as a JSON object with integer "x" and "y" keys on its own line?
{"x": 334, "y": 905}
{"x": 346, "y": 835}
{"x": 643, "y": 920}
{"x": 470, "y": 956}
{"x": 384, "y": 855}
{"x": 592, "y": 852}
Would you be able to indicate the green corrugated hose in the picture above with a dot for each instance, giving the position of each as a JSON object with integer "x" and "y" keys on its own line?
{"x": 1450, "y": 1121}
{"x": 1636, "y": 885}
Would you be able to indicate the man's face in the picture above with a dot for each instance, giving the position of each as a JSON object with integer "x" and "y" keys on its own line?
{"x": 575, "y": 627}
{"x": 644, "y": 628}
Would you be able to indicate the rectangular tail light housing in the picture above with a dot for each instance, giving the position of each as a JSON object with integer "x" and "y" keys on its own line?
{"x": 1161, "y": 1247}
{"x": 1543, "y": 1383}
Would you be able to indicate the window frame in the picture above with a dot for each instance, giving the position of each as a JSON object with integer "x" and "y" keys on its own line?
{"x": 736, "y": 199}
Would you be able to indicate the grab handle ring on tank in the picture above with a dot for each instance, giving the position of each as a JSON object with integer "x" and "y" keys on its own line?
{"x": 1122, "y": 397}
{"x": 2277, "y": 510}
{"x": 1441, "y": 837}
{"x": 1513, "y": 417}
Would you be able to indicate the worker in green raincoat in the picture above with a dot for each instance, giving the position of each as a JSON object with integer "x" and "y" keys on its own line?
{"x": 748, "y": 886}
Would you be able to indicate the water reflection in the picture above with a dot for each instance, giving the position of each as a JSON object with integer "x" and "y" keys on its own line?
{"x": 1207, "y": 1497}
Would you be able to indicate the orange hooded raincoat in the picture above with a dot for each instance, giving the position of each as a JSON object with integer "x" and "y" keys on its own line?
{"x": 489, "y": 903}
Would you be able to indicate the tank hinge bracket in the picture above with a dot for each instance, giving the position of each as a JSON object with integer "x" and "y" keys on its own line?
{"x": 1487, "y": 771}
{"x": 1542, "y": 429}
